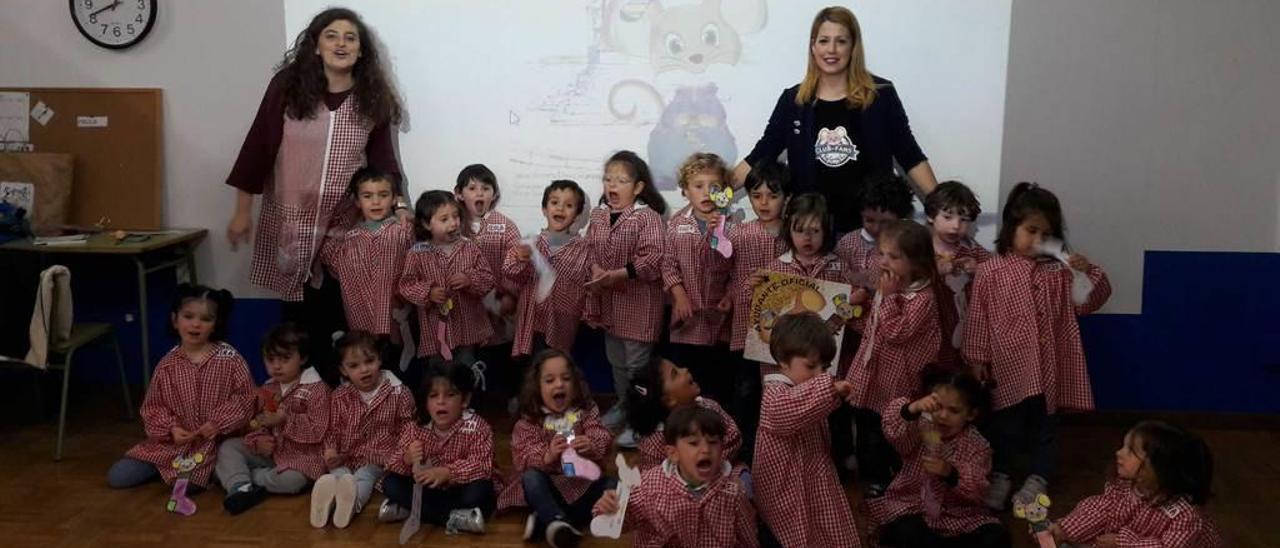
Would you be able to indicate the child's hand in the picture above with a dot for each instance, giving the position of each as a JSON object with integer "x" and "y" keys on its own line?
{"x": 726, "y": 304}
{"x": 459, "y": 281}
{"x": 936, "y": 466}
{"x": 180, "y": 435}
{"x": 966, "y": 264}
{"x": 438, "y": 295}
{"x": 405, "y": 215}
{"x": 414, "y": 454}
{"x": 604, "y": 279}
{"x": 927, "y": 404}
{"x": 558, "y": 445}
{"x": 981, "y": 371}
{"x": 524, "y": 253}
{"x": 594, "y": 323}
{"x": 269, "y": 419}
{"x": 761, "y": 276}
{"x": 331, "y": 458}
{"x": 1078, "y": 262}
{"x": 890, "y": 283}
{"x": 581, "y": 444}
{"x": 264, "y": 446}
{"x": 606, "y": 504}
{"x": 434, "y": 478}
{"x": 1055, "y": 530}
{"x": 944, "y": 263}
{"x": 859, "y": 295}
{"x": 843, "y": 388}
{"x": 1105, "y": 541}
{"x": 208, "y": 430}
{"x": 681, "y": 309}
{"x": 506, "y": 305}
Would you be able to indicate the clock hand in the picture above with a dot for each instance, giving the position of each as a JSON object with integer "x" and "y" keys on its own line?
{"x": 111, "y": 6}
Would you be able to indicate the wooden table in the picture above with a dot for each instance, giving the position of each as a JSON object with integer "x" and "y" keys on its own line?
{"x": 150, "y": 251}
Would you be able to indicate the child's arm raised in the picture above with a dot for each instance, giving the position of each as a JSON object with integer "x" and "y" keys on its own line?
{"x": 903, "y": 318}
{"x": 478, "y": 464}
{"x": 517, "y": 266}
{"x": 902, "y": 433}
{"x": 789, "y": 411}
{"x": 1101, "y": 288}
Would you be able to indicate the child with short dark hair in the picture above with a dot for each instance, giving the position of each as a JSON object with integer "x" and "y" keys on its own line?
{"x": 657, "y": 389}
{"x": 951, "y": 210}
{"x": 366, "y": 416}
{"x": 1156, "y": 497}
{"x": 282, "y": 454}
{"x": 450, "y": 455}
{"x": 937, "y": 498}
{"x": 200, "y": 393}
{"x": 696, "y": 497}
{"x": 796, "y": 488}
{"x": 886, "y": 197}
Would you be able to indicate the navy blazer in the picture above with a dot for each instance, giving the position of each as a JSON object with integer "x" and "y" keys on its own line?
{"x": 886, "y": 135}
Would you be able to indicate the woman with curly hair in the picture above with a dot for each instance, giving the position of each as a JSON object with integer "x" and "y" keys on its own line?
{"x": 328, "y": 111}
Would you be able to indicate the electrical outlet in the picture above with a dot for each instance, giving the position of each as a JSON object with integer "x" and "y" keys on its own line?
{"x": 128, "y": 318}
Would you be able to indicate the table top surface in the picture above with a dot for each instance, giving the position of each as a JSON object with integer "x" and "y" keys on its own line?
{"x": 138, "y": 242}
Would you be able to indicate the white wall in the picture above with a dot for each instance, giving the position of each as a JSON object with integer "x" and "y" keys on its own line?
{"x": 1155, "y": 122}
{"x": 213, "y": 61}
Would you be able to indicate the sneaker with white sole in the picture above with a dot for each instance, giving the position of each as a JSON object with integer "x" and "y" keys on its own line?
{"x": 344, "y": 501}
{"x": 322, "y": 500}
{"x": 530, "y": 527}
{"x": 560, "y": 534}
{"x": 470, "y": 520}
{"x": 998, "y": 491}
{"x": 627, "y": 439}
{"x": 390, "y": 512}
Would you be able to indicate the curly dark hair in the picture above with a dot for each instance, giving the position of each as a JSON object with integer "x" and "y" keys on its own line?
{"x": 887, "y": 191}
{"x": 304, "y": 79}
{"x": 530, "y": 398}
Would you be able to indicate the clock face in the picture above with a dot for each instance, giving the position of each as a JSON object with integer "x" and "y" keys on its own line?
{"x": 114, "y": 24}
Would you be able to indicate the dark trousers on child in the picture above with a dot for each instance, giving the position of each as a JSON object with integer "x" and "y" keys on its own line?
{"x": 744, "y": 406}
{"x": 877, "y": 458}
{"x": 912, "y": 532}
{"x": 547, "y": 503}
{"x": 1024, "y": 439}
{"x": 437, "y": 503}
{"x": 320, "y": 314}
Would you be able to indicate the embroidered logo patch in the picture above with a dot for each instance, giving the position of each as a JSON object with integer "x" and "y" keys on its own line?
{"x": 834, "y": 148}
{"x": 686, "y": 229}
{"x": 498, "y": 228}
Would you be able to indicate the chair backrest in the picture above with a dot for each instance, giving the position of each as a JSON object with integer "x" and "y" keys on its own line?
{"x": 51, "y": 317}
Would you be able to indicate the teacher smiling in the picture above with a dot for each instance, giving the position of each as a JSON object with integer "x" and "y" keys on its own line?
{"x": 840, "y": 124}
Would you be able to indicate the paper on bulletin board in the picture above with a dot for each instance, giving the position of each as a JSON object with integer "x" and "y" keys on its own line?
{"x": 785, "y": 294}
{"x": 21, "y": 195}
{"x": 14, "y": 108}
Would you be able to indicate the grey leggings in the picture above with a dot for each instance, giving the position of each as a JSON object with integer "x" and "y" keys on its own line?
{"x": 237, "y": 466}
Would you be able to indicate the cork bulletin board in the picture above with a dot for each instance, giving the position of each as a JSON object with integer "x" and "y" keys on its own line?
{"x": 116, "y": 139}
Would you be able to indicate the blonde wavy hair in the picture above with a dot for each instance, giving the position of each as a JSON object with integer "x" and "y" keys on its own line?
{"x": 861, "y": 90}
{"x": 700, "y": 162}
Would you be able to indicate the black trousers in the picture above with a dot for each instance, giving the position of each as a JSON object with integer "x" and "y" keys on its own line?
{"x": 437, "y": 503}
{"x": 877, "y": 459}
{"x": 1024, "y": 439}
{"x": 320, "y": 314}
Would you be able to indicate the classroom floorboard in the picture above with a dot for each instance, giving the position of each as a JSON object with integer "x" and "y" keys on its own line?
{"x": 47, "y": 504}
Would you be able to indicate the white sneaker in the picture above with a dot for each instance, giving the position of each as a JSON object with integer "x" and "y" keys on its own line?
{"x": 390, "y": 512}
{"x": 465, "y": 521}
{"x": 530, "y": 526}
{"x": 322, "y": 500}
{"x": 998, "y": 491}
{"x": 344, "y": 501}
{"x": 627, "y": 439}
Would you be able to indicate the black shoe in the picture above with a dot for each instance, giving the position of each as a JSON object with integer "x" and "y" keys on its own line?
{"x": 239, "y": 501}
{"x": 560, "y": 534}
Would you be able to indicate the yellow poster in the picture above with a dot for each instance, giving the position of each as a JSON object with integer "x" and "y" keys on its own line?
{"x": 786, "y": 294}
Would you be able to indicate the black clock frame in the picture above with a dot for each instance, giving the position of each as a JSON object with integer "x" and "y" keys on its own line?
{"x": 146, "y": 29}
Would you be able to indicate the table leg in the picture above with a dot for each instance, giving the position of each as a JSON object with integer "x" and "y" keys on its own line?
{"x": 144, "y": 327}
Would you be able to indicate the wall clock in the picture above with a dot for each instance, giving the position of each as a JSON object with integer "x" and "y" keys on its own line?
{"x": 114, "y": 24}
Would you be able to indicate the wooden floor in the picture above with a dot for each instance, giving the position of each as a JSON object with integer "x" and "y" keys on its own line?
{"x": 46, "y": 504}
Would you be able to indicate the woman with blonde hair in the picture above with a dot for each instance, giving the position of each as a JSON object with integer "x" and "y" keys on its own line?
{"x": 840, "y": 124}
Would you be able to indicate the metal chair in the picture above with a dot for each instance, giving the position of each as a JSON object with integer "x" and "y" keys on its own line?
{"x": 83, "y": 334}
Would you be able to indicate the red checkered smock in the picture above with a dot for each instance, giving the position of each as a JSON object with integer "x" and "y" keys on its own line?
{"x": 556, "y": 317}
{"x": 754, "y": 247}
{"x": 900, "y": 339}
{"x": 300, "y": 438}
{"x": 689, "y": 261}
{"x": 369, "y": 262}
{"x": 653, "y": 447}
{"x": 429, "y": 266}
{"x": 367, "y": 433}
{"x": 1122, "y": 511}
{"x": 529, "y": 442}
{"x": 665, "y": 512}
{"x": 466, "y": 449}
{"x": 632, "y": 309}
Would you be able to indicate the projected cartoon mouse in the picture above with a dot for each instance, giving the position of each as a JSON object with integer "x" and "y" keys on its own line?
{"x": 689, "y": 38}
